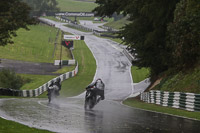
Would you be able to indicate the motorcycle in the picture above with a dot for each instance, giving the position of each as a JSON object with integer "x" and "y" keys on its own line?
{"x": 91, "y": 99}
{"x": 52, "y": 93}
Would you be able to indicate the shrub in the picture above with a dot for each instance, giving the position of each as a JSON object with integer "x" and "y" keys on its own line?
{"x": 9, "y": 79}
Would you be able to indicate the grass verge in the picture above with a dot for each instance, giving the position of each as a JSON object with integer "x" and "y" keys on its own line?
{"x": 65, "y": 69}
{"x": 188, "y": 81}
{"x": 59, "y": 48}
{"x": 134, "y": 102}
{"x": 139, "y": 74}
{"x": 87, "y": 68}
{"x": 118, "y": 24}
{"x": 75, "y": 6}
{"x": 35, "y": 81}
{"x": 35, "y": 45}
{"x": 10, "y": 127}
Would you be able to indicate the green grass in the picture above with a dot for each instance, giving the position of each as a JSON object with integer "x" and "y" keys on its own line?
{"x": 187, "y": 81}
{"x": 65, "y": 51}
{"x": 118, "y": 24}
{"x": 118, "y": 40}
{"x": 87, "y": 68}
{"x": 139, "y": 74}
{"x": 133, "y": 102}
{"x": 75, "y": 6}
{"x": 65, "y": 69}
{"x": 14, "y": 127}
{"x": 35, "y": 45}
{"x": 36, "y": 81}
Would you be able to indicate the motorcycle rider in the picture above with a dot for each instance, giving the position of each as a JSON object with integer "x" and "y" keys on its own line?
{"x": 56, "y": 86}
{"x": 98, "y": 89}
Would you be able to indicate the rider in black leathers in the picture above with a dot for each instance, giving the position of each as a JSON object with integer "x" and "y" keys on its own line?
{"x": 56, "y": 86}
{"x": 98, "y": 89}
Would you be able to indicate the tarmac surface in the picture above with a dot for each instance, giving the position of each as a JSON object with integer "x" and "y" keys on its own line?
{"x": 67, "y": 115}
{"x": 29, "y": 67}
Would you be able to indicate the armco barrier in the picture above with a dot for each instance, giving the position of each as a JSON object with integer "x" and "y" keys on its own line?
{"x": 130, "y": 57}
{"x": 46, "y": 22}
{"x": 187, "y": 101}
{"x": 64, "y": 62}
{"x": 80, "y": 27}
{"x": 39, "y": 90}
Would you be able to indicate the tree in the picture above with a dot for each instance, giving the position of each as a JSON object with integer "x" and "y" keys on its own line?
{"x": 14, "y": 14}
{"x": 146, "y": 34}
{"x": 184, "y": 34}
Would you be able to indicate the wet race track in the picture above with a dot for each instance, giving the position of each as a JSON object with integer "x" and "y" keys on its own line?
{"x": 68, "y": 115}
{"x": 109, "y": 116}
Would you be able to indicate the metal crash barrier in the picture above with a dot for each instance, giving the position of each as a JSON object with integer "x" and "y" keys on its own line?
{"x": 186, "y": 101}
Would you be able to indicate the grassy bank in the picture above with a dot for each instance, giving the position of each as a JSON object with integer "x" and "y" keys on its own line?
{"x": 87, "y": 69}
{"x": 75, "y": 6}
{"x": 139, "y": 74}
{"x": 35, "y": 81}
{"x": 35, "y": 45}
{"x": 118, "y": 24}
{"x": 133, "y": 102}
{"x": 187, "y": 81}
{"x": 14, "y": 127}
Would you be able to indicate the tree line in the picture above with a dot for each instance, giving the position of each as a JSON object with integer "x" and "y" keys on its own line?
{"x": 163, "y": 34}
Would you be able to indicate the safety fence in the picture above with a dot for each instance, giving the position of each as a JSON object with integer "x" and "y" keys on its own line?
{"x": 95, "y": 32}
{"x": 80, "y": 27}
{"x": 64, "y": 19}
{"x": 46, "y": 22}
{"x": 109, "y": 29}
{"x": 64, "y": 62}
{"x": 130, "y": 57}
{"x": 39, "y": 90}
{"x": 186, "y": 101}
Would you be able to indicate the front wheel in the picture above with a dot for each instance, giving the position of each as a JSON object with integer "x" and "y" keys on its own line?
{"x": 51, "y": 95}
{"x": 89, "y": 103}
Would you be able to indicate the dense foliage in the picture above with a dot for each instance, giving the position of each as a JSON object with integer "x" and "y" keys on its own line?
{"x": 8, "y": 79}
{"x": 184, "y": 34}
{"x": 162, "y": 33}
{"x": 14, "y": 14}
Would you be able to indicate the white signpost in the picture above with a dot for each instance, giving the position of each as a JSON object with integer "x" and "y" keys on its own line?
{"x": 73, "y": 37}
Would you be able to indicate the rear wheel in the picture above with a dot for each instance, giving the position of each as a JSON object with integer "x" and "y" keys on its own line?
{"x": 89, "y": 103}
{"x": 51, "y": 95}
{"x": 92, "y": 102}
{"x": 86, "y": 104}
